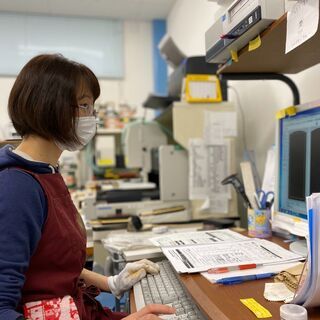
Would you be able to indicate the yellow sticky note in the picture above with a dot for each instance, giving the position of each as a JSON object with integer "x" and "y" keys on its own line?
{"x": 254, "y": 44}
{"x": 105, "y": 162}
{"x": 234, "y": 56}
{"x": 260, "y": 311}
{"x": 281, "y": 114}
{"x": 291, "y": 111}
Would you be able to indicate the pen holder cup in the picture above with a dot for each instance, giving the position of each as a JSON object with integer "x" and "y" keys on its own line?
{"x": 259, "y": 223}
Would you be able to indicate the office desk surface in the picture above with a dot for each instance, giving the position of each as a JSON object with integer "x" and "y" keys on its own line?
{"x": 222, "y": 302}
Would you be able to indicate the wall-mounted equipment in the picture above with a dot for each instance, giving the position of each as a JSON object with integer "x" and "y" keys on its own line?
{"x": 242, "y": 21}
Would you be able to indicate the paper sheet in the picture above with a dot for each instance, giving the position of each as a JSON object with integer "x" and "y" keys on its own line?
{"x": 313, "y": 291}
{"x": 126, "y": 240}
{"x": 208, "y": 166}
{"x": 218, "y": 163}
{"x": 218, "y": 159}
{"x": 269, "y": 178}
{"x": 302, "y": 23}
{"x": 218, "y": 203}
{"x": 306, "y": 290}
{"x": 195, "y": 238}
{"x": 277, "y": 292}
{"x": 209, "y": 161}
{"x": 190, "y": 259}
{"x": 218, "y": 125}
{"x": 248, "y": 182}
{"x": 197, "y": 169}
{"x": 203, "y": 89}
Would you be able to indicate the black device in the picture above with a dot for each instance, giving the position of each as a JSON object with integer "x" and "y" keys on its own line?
{"x": 136, "y": 222}
{"x": 237, "y": 184}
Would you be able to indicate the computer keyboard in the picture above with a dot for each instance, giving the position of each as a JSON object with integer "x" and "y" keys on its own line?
{"x": 166, "y": 288}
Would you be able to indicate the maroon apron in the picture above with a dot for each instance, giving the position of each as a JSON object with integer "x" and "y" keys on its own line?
{"x": 60, "y": 256}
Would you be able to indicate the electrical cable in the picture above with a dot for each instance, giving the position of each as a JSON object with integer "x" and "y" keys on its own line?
{"x": 244, "y": 135}
{"x": 243, "y": 120}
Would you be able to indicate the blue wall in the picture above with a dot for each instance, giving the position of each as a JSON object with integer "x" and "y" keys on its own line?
{"x": 160, "y": 78}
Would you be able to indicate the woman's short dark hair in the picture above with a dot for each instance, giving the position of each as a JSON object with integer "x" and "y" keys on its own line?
{"x": 43, "y": 100}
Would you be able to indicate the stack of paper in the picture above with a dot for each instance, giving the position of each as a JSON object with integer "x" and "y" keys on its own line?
{"x": 198, "y": 252}
{"x": 308, "y": 292}
{"x": 197, "y": 237}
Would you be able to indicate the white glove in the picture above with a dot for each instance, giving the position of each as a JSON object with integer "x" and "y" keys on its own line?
{"x": 130, "y": 275}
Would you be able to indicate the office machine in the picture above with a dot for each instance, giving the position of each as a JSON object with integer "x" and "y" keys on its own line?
{"x": 298, "y": 168}
{"x": 170, "y": 51}
{"x": 9, "y": 132}
{"x": 92, "y": 209}
{"x": 171, "y": 192}
{"x": 182, "y": 67}
{"x": 242, "y": 21}
{"x": 138, "y": 139}
{"x": 190, "y": 66}
{"x": 105, "y": 150}
{"x": 145, "y": 147}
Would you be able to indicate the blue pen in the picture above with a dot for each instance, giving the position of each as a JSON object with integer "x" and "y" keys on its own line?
{"x": 240, "y": 279}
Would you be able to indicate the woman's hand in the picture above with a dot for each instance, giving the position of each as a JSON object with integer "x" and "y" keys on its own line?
{"x": 151, "y": 312}
{"x": 130, "y": 275}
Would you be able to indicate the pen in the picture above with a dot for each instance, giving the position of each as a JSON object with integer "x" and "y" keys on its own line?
{"x": 240, "y": 279}
{"x": 233, "y": 268}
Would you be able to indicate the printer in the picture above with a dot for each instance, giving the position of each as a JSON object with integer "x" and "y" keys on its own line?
{"x": 163, "y": 189}
{"x": 242, "y": 21}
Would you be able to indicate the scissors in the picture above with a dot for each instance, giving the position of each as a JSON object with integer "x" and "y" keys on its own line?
{"x": 266, "y": 198}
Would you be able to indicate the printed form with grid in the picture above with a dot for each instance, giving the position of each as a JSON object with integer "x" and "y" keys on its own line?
{"x": 166, "y": 288}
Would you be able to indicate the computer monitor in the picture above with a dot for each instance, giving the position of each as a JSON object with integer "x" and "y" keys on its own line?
{"x": 298, "y": 167}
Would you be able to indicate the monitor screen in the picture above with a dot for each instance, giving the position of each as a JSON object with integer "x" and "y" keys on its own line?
{"x": 298, "y": 161}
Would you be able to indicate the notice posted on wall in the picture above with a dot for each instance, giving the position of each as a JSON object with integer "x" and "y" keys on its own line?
{"x": 302, "y": 23}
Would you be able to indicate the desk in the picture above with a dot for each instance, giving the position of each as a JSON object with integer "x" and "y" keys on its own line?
{"x": 221, "y": 302}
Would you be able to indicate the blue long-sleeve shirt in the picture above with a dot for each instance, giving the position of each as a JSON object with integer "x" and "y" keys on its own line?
{"x": 23, "y": 211}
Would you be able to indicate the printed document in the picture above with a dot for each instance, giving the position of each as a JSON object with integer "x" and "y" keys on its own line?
{"x": 199, "y": 237}
{"x": 208, "y": 166}
{"x": 218, "y": 125}
{"x": 302, "y": 23}
{"x": 190, "y": 259}
{"x": 197, "y": 169}
{"x": 269, "y": 178}
{"x": 218, "y": 168}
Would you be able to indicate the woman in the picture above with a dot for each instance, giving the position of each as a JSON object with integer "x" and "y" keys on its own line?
{"x": 42, "y": 238}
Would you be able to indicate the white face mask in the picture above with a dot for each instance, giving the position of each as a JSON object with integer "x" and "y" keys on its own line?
{"x": 86, "y": 129}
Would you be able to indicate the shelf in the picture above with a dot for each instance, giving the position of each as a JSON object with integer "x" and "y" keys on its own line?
{"x": 159, "y": 102}
{"x": 14, "y": 142}
{"x": 270, "y": 57}
{"x": 109, "y": 131}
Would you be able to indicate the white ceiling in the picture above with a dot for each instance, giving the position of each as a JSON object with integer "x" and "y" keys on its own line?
{"x": 123, "y": 9}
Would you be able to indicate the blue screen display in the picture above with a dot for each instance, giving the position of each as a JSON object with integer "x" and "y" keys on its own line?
{"x": 298, "y": 161}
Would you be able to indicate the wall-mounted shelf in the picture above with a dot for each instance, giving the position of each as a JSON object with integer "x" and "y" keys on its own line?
{"x": 270, "y": 57}
{"x": 109, "y": 131}
{"x": 11, "y": 142}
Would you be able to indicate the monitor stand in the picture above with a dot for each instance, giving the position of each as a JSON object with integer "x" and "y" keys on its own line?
{"x": 299, "y": 247}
